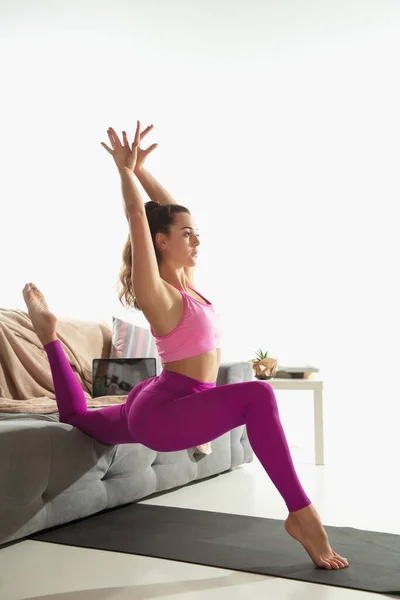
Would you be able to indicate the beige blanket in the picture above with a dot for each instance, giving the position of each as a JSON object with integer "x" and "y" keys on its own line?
{"x": 26, "y": 383}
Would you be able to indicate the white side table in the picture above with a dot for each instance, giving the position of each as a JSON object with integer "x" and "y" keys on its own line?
{"x": 316, "y": 385}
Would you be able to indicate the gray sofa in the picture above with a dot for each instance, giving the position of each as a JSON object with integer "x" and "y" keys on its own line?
{"x": 52, "y": 473}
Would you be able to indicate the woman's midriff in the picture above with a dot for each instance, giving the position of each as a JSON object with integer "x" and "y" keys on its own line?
{"x": 203, "y": 367}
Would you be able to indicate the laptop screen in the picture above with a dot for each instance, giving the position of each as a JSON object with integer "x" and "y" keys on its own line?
{"x": 118, "y": 376}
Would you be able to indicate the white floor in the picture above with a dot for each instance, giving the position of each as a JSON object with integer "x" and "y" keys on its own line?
{"x": 357, "y": 487}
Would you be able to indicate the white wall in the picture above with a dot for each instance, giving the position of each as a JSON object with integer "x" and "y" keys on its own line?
{"x": 278, "y": 124}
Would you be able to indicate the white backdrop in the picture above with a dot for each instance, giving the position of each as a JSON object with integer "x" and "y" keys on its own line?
{"x": 278, "y": 126}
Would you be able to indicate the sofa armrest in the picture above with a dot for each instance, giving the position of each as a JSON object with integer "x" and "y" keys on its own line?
{"x": 234, "y": 372}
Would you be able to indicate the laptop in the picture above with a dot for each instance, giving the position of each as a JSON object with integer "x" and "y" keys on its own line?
{"x": 118, "y": 376}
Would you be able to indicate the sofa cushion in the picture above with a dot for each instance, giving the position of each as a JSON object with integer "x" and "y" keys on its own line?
{"x": 132, "y": 341}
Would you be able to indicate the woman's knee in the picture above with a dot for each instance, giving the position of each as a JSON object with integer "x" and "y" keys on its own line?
{"x": 262, "y": 386}
{"x": 263, "y": 391}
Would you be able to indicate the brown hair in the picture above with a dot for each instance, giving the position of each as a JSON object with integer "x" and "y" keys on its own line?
{"x": 160, "y": 218}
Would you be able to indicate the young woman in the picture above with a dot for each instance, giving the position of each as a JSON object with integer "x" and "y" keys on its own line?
{"x": 182, "y": 407}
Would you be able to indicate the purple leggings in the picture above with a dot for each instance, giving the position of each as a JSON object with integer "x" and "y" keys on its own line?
{"x": 172, "y": 412}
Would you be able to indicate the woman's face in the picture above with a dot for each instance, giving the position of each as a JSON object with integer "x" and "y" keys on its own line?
{"x": 180, "y": 247}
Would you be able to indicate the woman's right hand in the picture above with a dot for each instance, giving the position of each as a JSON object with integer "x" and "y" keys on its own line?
{"x": 141, "y": 153}
{"x": 124, "y": 155}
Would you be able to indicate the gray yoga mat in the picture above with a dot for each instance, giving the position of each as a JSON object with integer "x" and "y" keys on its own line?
{"x": 235, "y": 542}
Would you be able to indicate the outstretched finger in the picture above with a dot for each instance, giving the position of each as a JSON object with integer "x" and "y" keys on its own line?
{"x": 113, "y": 137}
{"x": 106, "y": 147}
{"x": 125, "y": 139}
{"x": 149, "y": 149}
{"x": 136, "y": 141}
{"x": 146, "y": 131}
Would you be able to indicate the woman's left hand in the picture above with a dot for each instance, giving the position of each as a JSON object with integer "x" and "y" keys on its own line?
{"x": 205, "y": 448}
{"x": 142, "y": 154}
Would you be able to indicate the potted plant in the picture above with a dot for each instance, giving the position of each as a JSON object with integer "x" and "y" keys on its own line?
{"x": 264, "y": 367}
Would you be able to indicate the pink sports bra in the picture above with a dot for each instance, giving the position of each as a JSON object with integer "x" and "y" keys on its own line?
{"x": 198, "y": 331}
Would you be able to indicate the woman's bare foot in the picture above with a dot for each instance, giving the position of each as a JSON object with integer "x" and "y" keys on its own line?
{"x": 306, "y": 527}
{"x": 43, "y": 321}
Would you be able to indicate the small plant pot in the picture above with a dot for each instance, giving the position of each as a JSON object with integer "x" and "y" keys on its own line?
{"x": 264, "y": 369}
